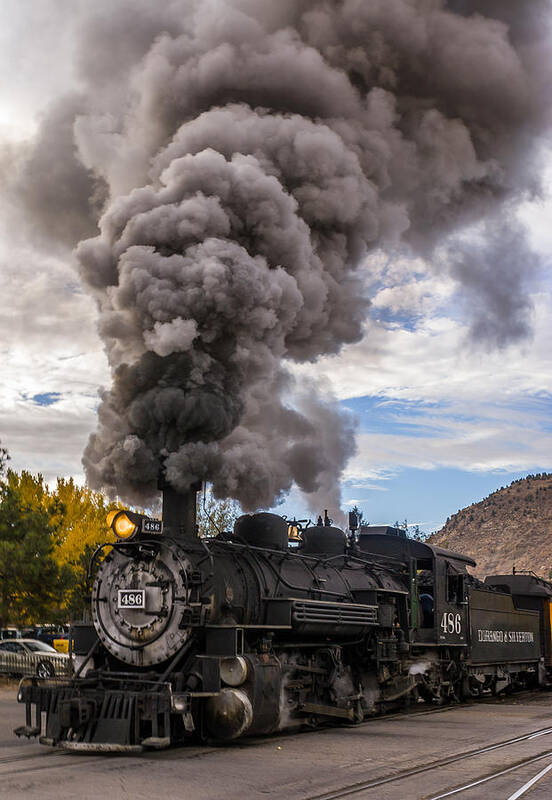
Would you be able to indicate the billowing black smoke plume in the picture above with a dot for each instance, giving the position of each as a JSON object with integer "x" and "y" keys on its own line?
{"x": 252, "y": 154}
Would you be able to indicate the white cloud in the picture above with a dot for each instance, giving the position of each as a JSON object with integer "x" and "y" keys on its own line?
{"x": 47, "y": 439}
{"x": 48, "y": 345}
{"x": 29, "y": 36}
{"x": 480, "y": 445}
{"x": 457, "y": 405}
{"x": 536, "y": 214}
{"x": 433, "y": 361}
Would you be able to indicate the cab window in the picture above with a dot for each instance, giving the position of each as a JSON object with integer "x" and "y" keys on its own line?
{"x": 455, "y": 588}
{"x": 426, "y": 593}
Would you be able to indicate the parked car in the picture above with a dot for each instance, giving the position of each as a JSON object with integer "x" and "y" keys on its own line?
{"x": 32, "y": 657}
{"x": 10, "y": 632}
{"x": 46, "y": 633}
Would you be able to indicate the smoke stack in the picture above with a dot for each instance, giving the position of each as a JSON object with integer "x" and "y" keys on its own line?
{"x": 179, "y": 509}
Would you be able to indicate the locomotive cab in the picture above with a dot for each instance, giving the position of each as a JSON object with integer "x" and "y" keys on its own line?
{"x": 438, "y": 599}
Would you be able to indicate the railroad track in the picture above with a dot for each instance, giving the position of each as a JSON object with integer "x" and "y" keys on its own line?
{"x": 522, "y": 696}
{"x": 499, "y": 774}
{"x": 361, "y": 786}
{"x": 25, "y": 753}
{"x": 30, "y": 759}
{"x": 44, "y": 760}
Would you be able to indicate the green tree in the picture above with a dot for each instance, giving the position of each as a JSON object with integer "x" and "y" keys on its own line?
{"x": 78, "y": 599}
{"x": 417, "y": 533}
{"x": 413, "y": 531}
{"x": 4, "y": 458}
{"x": 215, "y": 516}
{"x": 32, "y": 584}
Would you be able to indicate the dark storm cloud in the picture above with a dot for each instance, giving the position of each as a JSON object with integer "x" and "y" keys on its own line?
{"x": 247, "y": 156}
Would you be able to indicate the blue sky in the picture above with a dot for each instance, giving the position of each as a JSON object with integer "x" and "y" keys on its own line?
{"x": 44, "y": 398}
{"x": 391, "y": 489}
{"x": 424, "y": 497}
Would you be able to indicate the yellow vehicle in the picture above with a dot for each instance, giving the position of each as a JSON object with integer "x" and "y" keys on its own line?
{"x": 61, "y": 644}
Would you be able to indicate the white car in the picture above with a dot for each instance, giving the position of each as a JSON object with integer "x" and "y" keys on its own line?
{"x": 24, "y": 657}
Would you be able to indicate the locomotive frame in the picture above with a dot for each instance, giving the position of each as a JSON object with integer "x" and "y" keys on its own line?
{"x": 247, "y": 634}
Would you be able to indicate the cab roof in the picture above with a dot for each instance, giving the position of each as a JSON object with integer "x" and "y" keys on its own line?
{"x": 397, "y": 547}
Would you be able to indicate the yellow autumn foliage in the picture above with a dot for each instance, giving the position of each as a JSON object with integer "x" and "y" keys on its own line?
{"x": 82, "y": 522}
{"x": 77, "y": 513}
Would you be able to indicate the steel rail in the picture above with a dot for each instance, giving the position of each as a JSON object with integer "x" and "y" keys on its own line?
{"x": 530, "y": 783}
{"x": 499, "y": 774}
{"x": 361, "y": 786}
{"x": 14, "y": 757}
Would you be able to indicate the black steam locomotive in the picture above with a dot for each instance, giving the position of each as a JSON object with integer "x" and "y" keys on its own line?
{"x": 253, "y": 632}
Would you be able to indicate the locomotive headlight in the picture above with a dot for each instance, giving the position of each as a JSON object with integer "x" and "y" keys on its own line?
{"x": 124, "y": 528}
{"x": 121, "y": 524}
{"x": 125, "y": 524}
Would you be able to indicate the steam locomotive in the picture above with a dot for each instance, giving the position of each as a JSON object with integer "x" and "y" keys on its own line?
{"x": 254, "y": 631}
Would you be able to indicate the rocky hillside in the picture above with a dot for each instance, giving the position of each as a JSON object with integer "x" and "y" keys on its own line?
{"x": 511, "y": 527}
